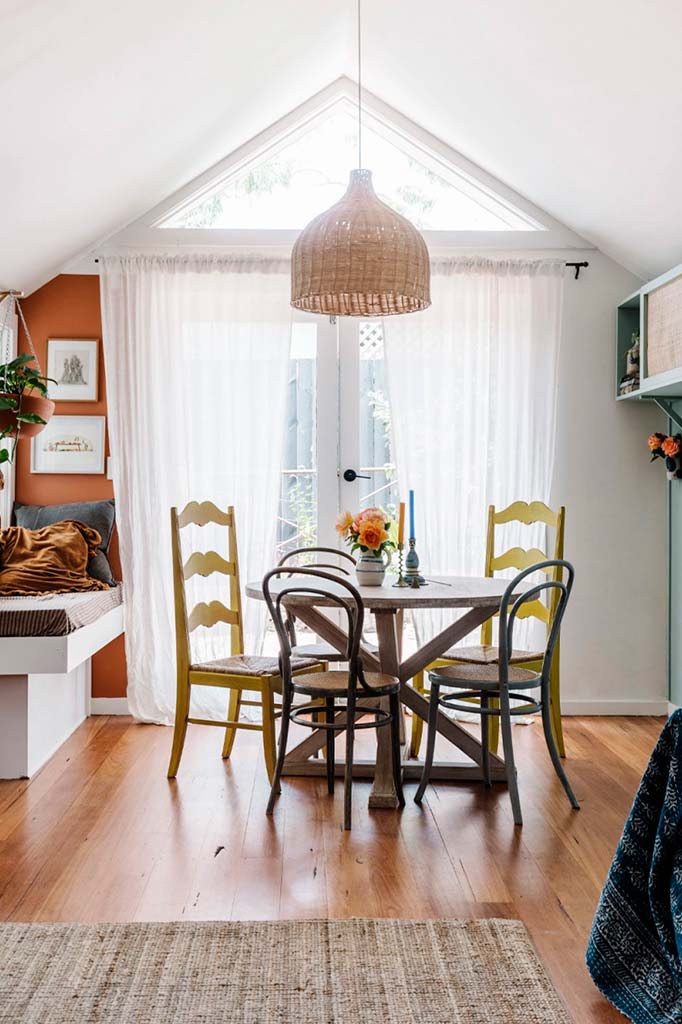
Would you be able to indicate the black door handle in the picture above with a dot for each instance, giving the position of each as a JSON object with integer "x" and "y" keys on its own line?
{"x": 349, "y": 475}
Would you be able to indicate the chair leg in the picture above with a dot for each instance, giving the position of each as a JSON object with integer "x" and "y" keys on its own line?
{"x": 281, "y": 753}
{"x": 554, "y": 752}
{"x": 430, "y": 742}
{"x": 233, "y": 709}
{"x": 269, "y": 741}
{"x": 512, "y": 783}
{"x": 417, "y": 720}
{"x": 555, "y": 706}
{"x": 485, "y": 740}
{"x": 493, "y": 726}
{"x": 396, "y": 717}
{"x": 318, "y": 716}
{"x": 348, "y": 776}
{"x": 180, "y": 730}
{"x": 329, "y": 716}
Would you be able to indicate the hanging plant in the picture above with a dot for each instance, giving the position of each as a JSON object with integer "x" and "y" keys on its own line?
{"x": 668, "y": 448}
{"x": 24, "y": 406}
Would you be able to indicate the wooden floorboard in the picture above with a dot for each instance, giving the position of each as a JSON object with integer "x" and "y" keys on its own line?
{"x": 100, "y": 834}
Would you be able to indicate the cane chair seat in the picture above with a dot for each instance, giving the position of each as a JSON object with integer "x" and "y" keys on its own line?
{"x": 251, "y": 665}
{"x": 485, "y": 677}
{"x": 335, "y": 684}
{"x": 489, "y": 654}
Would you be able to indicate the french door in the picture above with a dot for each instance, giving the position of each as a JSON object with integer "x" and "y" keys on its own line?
{"x": 338, "y": 452}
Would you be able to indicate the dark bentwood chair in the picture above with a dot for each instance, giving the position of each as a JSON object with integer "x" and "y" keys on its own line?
{"x": 326, "y": 688}
{"x": 316, "y": 558}
{"x": 499, "y": 680}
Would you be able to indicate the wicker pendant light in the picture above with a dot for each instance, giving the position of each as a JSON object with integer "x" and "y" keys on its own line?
{"x": 360, "y": 257}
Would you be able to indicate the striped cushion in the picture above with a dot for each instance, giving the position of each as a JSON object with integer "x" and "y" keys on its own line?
{"x": 55, "y": 614}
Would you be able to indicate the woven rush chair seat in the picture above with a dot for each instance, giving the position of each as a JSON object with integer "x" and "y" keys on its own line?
{"x": 482, "y": 677}
{"x": 489, "y": 654}
{"x": 251, "y": 665}
{"x": 335, "y": 684}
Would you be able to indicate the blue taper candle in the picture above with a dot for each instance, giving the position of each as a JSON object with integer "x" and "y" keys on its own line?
{"x": 411, "y": 513}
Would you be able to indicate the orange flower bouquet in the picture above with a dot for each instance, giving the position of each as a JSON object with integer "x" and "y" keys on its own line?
{"x": 368, "y": 531}
{"x": 669, "y": 449}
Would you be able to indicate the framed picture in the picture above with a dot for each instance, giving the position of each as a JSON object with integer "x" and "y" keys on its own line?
{"x": 69, "y": 444}
{"x": 72, "y": 363}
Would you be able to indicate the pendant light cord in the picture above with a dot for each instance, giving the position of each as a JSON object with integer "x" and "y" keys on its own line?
{"x": 359, "y": 87}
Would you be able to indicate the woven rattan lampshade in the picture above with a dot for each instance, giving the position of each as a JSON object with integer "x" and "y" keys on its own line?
{"x": 360, "y": 258}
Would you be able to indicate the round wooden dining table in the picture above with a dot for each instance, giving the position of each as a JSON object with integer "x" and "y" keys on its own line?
{"x": 481, "y": 596}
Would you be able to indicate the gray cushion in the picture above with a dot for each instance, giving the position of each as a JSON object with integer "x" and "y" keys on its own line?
{"x": 100, "y": 515}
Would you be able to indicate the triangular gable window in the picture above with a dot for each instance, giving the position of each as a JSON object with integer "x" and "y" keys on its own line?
{"x": 307, "y": 171}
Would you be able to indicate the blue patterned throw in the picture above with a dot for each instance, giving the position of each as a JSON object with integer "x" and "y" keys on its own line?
{"x": 635, "y": 949}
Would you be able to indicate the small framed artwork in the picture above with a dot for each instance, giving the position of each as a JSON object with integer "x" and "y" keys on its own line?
{"x": 69, "y": 444}
{"x": 72, "y": 366}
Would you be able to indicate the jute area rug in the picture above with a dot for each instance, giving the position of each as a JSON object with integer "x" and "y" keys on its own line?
{"x": 275, "y": 972}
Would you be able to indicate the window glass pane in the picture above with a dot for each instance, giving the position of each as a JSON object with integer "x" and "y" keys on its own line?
{"x": 297, "y": 523}
{"x": 376, "y": 457}
{"x": 291, "y": 184}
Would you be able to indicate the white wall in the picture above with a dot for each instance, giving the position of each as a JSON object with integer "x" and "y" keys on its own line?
{"x": 614, "y": 640}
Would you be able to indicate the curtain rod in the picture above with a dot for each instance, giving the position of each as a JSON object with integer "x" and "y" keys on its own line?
{"x": 578, "y": 267}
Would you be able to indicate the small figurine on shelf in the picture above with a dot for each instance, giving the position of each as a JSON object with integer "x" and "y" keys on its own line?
{"x": 630, "y": 382}
{"x": 670, "y": 449}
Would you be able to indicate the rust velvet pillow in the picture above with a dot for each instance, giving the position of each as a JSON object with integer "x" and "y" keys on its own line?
{"x": 52, "y": 560}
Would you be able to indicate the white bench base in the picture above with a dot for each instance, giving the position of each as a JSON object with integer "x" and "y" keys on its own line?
{"x": 37, "y": 714}
{"x": 45, "y": 692}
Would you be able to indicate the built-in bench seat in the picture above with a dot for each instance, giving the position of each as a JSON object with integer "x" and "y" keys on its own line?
{"x": 46, "y": 643}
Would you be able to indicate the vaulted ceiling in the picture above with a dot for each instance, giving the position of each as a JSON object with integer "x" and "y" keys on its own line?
{"x": 108, "y": 108}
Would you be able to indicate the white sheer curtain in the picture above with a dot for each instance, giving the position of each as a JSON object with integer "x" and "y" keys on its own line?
{"x": 197, "y": 351}
{"x": 473, "y": 390}
{"x": 8, "y": 351}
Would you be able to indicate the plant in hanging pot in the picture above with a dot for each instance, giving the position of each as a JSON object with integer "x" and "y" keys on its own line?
{"x": 369, "y": 533}
{"x": 24, "y": 406}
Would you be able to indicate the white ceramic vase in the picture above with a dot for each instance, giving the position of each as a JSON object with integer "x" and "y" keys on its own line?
{"x": 371, "y": 568}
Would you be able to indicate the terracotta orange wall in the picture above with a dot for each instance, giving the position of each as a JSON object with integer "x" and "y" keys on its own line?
{"x": 68, "y": 307}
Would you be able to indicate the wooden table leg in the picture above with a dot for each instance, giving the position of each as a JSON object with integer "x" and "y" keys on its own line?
{"x": 383, "y": 792}
{"x": 400, "y": 626}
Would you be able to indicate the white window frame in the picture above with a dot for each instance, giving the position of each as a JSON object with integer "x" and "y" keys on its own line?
{"x": 548, "y": 235}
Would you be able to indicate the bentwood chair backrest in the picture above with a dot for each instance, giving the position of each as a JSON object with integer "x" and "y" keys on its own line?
{"x": 559, "y": 586}
{"x": 317, "y": 558}
{"x": 320, "y": 558}
{"x": 528, "y": 513}
{"x": 205, "y": 563}
{"x": 296, "y": 581}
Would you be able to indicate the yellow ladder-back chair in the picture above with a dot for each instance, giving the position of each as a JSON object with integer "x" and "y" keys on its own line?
{"x": 486, "y": 653}
{"x": 237, "y": 673}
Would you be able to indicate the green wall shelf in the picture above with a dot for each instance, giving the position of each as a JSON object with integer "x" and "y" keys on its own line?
{"x": 631, "y": 316}
{"x": 665, "y": 390}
